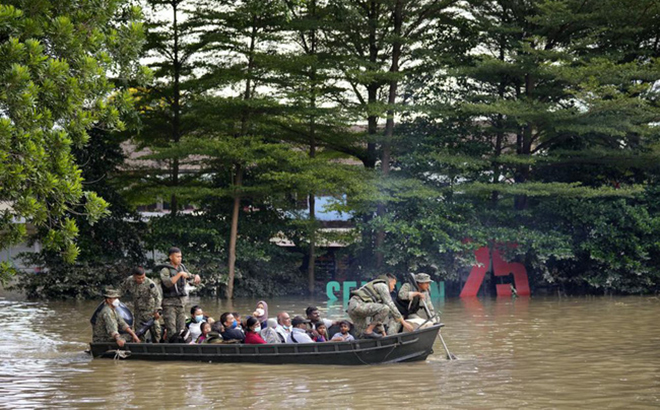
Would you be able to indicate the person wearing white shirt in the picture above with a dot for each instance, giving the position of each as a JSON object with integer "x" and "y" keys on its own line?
{"x": 283, "y": 328}
{"x": 299, "y": 331}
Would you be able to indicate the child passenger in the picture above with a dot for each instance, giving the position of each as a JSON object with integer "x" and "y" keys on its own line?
{"x": 252, "y": 336}
{"x": 343, "y": 335}
{"x": 205, "y": 328}
{"x": 322, "y": 333}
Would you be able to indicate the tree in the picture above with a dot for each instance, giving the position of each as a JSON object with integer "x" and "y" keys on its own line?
{"x": 164, "y": 104}
{"x": 543, "y": 105}
{"x": 56, "y": 57}
{"x": 375, "y": 43}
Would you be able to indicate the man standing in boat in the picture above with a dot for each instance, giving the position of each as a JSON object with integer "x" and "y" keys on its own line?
{"x": 109, "y": 322}
{"x": 146, "y": 301}
{"x": 373, "y": 302}
{"x": 173, "y": 279}
{"x": 410, "y": 300}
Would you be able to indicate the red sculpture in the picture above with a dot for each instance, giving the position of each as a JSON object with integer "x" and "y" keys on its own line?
{"x": 500, "y": 267}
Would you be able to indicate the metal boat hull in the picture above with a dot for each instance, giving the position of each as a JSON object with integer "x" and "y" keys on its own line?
{"x": 402, "y": 347}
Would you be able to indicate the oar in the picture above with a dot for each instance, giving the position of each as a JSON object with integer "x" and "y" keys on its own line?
{"x": 428, "y": 314}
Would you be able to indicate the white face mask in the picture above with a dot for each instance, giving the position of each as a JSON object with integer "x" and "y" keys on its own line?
{"x": 257, "y": 329}
{"x": 115, "y": 303}
{"x": 259, "y": 312}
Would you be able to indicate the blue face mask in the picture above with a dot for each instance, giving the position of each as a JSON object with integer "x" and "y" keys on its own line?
{"x": 234, "y": 324}
{"x": 199, "y": 318}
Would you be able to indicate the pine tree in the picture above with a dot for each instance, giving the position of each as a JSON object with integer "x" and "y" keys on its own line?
{"x": 164, "y": 104}
{"x": 545, "y": 109}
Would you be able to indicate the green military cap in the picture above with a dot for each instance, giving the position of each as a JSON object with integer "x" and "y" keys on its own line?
{"x": 110, "y": 293}
{"x": 423, "y": 278}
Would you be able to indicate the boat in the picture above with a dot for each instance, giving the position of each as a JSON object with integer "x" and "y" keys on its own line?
{"x": 401, "y": 347}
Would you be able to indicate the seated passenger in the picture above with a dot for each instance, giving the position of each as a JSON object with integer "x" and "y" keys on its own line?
{"x": 252, "y": 336}
{"x": 314, "y": 318}
{"x": 231, "y": 331}
{"x": 299, "y": 331}
{"x": 343, "y": 335}
{"x": 215, "y": 336}
{"x": 197, "y": 319}
{"x": 205, "y": 329}
{"x": 321, "y": 334}
{"x": 283, "y": 328}
{"x": 261, "y": 313}
{"x": 269, "y": 334}
{"x": 239, "y": 320}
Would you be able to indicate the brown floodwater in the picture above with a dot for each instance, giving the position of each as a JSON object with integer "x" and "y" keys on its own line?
{"x": 545, "y": 353}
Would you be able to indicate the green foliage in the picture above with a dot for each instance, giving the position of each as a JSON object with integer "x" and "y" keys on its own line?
{"x": 263, "y": 268}
{"x": 107, "y": 249}
{"x": 55, "y": 58}
{"x": 516, "y": 121}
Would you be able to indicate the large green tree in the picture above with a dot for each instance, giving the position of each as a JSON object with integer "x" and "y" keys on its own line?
{"x": 56, "y": 60}
{"x": 544, "y": 109}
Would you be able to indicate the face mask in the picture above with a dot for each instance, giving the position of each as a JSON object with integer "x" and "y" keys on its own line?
{"x": 115, "y": 303}
{"x": 234, "y": 324}
{"x": 260, "y": 312}
{"x": 257, "y": 329}
{"x": 286, "y": 327}
{"x": 199, "y": 318}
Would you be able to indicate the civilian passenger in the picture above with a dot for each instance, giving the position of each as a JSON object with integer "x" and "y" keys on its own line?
{"x": 299, "y": 331}
{"x": 205, "y": 328}
{"x": 197, "y": 319}
{"x": 269, "y": 334}
{"x": 261, "y": 313}
{"x": 231, "y": 332}
{"x": 321, "y": 333}
{"x": 283, "y": 328}
{"x": 251, "y": 335}
{"x": 343, "y": 335}
{"x": 239, "y": 320}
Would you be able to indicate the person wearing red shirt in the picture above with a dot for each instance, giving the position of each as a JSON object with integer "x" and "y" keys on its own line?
{"x": 252, "y": 336}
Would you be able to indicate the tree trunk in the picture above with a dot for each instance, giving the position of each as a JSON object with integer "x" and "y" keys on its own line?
{"x": 238, "y": 180}
{"x": 524, "y": 147}
{"x": 233, "y": 235}
{"x": 389, "y": 124}
{"x": 311, "y": 258}
{"x": 312, "y": 154}
{"x": 176, "y": 108}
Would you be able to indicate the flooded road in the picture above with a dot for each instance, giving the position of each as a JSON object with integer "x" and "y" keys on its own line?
{"x": 589, "y": 352}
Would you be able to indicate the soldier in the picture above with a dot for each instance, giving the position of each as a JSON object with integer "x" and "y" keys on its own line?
{"x": 146, "y": 301}
{"x": 109, "y": 322}
{"x": 409, "y": 300}
{"x": 173, "y": 277}
{"x": 373, "y": 301}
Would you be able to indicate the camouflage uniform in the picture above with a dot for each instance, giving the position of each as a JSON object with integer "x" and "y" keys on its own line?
{"x": 146, "y": 301}
{"x": 108, "y": 323}
{"x": 373, "y": 301}
{"x": 175, "y": 300}
{"x": 404, "y": 295}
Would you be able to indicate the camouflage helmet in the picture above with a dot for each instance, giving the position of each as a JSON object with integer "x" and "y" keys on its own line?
{"x": 423, "y": 278}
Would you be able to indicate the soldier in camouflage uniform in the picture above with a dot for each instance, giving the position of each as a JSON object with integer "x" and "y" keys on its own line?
{"x": 372, "y": 306}
{"x": 173, "y": 279}
{"x": 109, "y": 322}
{"x": 146, "y": 301}
{"x": 409, "y": 299}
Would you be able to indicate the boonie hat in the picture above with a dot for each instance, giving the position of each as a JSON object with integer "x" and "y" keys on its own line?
{"x": 423, "y": 278}
{"x": 298, "y": 320}
{"x": 110, "y": 293}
